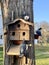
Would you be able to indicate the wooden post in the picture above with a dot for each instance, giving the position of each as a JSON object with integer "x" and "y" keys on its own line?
{"x": 18, "y": 7}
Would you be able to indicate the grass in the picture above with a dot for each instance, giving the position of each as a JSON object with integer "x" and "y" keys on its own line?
{"x": 44, "y": 61}
{"x": 1, "y": 55}
{"x": 41, "y": 53}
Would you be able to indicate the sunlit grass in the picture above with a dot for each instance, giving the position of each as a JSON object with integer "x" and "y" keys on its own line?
{"x": 42, "y": 57}
{"x": 42, "y": 61}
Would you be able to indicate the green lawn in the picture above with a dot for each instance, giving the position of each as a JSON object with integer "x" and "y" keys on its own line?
{"x": 1, "y": 55}
{"x": 41, "y": 53}
{"x": 44, "y": 61}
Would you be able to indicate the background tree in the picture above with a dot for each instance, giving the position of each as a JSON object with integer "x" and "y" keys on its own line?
{"x": 45, "y": 31}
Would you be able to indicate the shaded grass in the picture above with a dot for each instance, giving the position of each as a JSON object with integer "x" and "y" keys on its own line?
{"x": 1, "y": 55}
{"x": 42, "y": 48}
{"x": 42, "y": 56}
{"x": 1, "y": 48}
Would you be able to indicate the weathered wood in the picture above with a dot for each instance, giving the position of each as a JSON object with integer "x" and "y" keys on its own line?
{"x": 19, "y": 35}
{"x": 14, "y": 50}
{"x": 19, "y": 7}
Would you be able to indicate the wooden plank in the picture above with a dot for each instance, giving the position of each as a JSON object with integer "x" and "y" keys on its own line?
{"x": 21, "y": 20}
{"x": 19, "y": 35}
{"x": 14, "y": 50}
{"x": 15, "y": 37}
{"x": 26, "y": 36}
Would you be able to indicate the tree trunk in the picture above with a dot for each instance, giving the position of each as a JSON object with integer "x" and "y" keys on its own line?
{"x": 18, "y": 7}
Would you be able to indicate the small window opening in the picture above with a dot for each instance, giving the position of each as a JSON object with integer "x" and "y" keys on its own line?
{"x": 18, "y": 25}
{"x": 23, "y": 33}
{"x": 13, "y": 33}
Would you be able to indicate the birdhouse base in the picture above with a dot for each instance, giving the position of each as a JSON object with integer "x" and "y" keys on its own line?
{"x": 14, "y": 50}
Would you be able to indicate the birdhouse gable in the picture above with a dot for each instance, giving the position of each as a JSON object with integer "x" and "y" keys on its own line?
{"x": 18, "y": 26}
{"x": 20, "y": 20}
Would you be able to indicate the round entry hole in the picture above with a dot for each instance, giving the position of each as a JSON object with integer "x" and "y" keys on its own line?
{"x": 23, "y": 33}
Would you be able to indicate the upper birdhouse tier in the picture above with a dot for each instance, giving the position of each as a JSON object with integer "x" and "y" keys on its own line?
{"x": 19, "y": 29}
{"x": 19, "y": 24}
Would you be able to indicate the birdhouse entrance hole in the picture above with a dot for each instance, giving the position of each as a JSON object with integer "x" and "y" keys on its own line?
{"x": 23, "y": 33}
{"x": 18, "y": 25}
{"x": 13, "y": 33}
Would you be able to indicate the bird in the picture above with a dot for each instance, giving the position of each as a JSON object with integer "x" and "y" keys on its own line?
{"x": 38, "y": 33}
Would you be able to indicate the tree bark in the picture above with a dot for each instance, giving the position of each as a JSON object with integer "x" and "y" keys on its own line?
{"x": 18, "y": 7}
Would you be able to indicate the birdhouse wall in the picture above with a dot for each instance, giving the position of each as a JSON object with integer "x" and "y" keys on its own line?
{"x": 19, "y": 25}
{"x": 24, "y": 35}
{"x": 14, "y": 35}
{"x": 24, "y": 26}
{"x": 19, "y": 35}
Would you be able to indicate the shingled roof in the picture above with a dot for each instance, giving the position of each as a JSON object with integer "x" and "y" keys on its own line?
{"x": 21, "y": 20}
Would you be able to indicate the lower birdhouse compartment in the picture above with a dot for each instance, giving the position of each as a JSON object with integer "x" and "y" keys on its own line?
{"x": 15, "y": 48}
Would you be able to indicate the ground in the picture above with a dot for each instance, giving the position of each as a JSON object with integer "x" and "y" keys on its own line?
{"x": 41, "y": 53}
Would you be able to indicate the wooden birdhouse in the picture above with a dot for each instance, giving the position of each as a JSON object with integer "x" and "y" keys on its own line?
{"x": 19, "y": 30}
{"x": 18, "y": 33}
